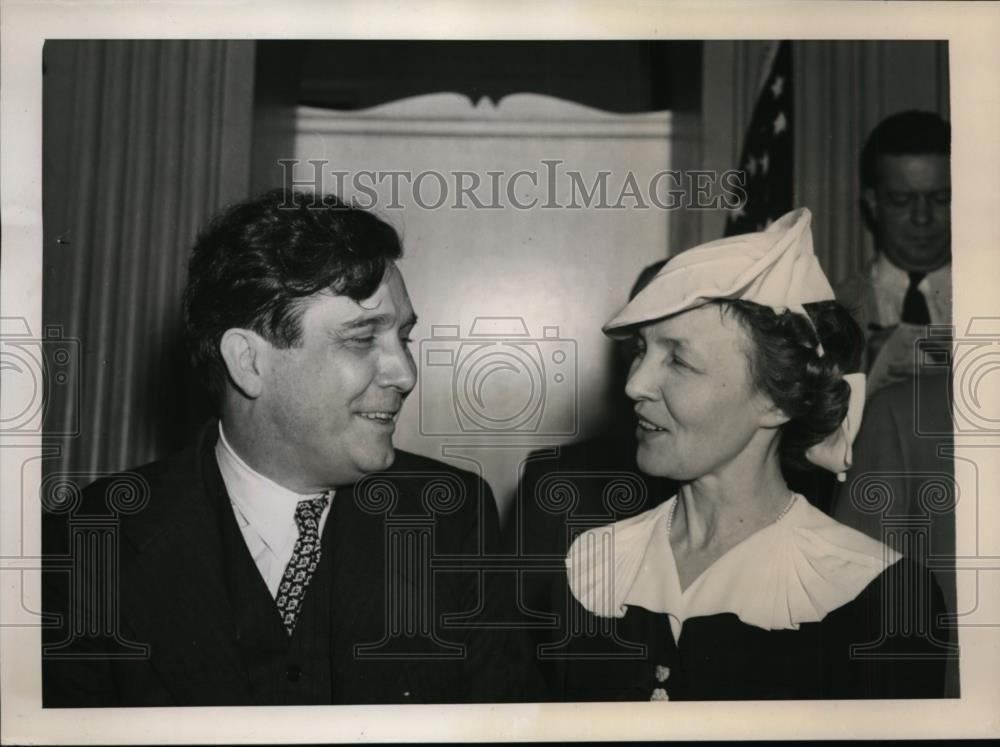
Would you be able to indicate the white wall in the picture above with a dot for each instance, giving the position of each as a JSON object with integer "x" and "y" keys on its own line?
{"x": 560, "y": 268}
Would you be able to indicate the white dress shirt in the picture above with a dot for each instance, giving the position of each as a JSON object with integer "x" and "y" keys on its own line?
{"x": 890, "y": 284}
{"x": 265, "y": 512}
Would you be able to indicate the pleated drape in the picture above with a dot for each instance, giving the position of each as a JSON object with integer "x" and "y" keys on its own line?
{"x": 157, "y": 139}
{"x": 842, "y": 90}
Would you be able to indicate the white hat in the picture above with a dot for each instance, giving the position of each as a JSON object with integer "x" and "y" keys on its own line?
{"x": 776, "y": 267}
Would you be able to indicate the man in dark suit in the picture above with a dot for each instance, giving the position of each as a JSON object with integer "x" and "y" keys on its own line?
{"x": 898, "y": 460}
{"x": 901, "y": 488}
{"x": 290, "y": 555}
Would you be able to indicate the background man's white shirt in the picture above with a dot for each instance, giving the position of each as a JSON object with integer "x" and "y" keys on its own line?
{"x": 890, "y": 284}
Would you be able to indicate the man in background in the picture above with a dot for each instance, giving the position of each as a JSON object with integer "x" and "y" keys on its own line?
{"x": 901, "y": 488}
{"x": 906, "y": 203}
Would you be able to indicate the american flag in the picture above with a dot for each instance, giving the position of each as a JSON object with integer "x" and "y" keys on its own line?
{"x": 766, "y": 159}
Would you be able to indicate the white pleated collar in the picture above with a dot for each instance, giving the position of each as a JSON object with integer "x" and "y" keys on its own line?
{"x": 797, "y": 570}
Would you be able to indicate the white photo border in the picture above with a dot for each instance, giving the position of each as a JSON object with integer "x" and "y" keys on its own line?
{"x": 972, "y": 30}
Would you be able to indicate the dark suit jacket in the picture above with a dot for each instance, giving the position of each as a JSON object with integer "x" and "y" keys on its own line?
{"x": 901, "y": 488}
{"x": 169, "y": 592}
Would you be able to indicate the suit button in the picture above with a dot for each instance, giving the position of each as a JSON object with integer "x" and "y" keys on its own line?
{"x": 293, "y": 674}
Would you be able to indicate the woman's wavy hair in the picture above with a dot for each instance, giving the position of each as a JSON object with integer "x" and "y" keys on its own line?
{"x": 785, "y": 367}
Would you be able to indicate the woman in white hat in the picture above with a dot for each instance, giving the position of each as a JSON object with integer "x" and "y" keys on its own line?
{"x": 738, "y": 588}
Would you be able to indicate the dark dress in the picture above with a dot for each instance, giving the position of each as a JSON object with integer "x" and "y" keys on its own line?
{"x": 888, "y": 641}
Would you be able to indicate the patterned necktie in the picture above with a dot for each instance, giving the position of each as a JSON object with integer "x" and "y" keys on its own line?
{"x": 915, "y": 309}
{"x": 304, "y": 561}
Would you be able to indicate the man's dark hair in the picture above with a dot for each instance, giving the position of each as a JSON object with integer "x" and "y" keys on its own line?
{"x": 909, "y": 133}
{"x": 255, "y": 263}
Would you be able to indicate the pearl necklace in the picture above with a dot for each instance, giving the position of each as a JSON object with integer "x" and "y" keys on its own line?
{"x": 779, "y": 517}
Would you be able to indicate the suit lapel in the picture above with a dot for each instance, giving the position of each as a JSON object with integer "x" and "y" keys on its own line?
{"x": 364, "y": 588}
{"x": 185, "y": 616}
{"x": 357, "y": 546}
{"x": 175, "y": 584}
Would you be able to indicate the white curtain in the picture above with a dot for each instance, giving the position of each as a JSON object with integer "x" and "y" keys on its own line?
{"x": 143, "y": 141}
{"x": 842, "y": 90}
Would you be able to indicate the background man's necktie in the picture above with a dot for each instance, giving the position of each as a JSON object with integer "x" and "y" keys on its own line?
{"x": 915, "y": 309}
{"x": 304, "y": 561}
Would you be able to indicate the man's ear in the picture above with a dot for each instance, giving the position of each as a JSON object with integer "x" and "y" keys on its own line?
{"x": 242, "y": 351}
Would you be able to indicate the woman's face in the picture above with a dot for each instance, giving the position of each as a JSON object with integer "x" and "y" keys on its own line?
{"x": 696, "y": 405}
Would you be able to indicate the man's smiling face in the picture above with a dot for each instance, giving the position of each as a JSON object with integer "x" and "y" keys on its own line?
{"x": 329, "y": 404}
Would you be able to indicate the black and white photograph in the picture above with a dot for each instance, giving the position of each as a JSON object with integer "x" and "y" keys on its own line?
{"x": 468, "y": 374}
